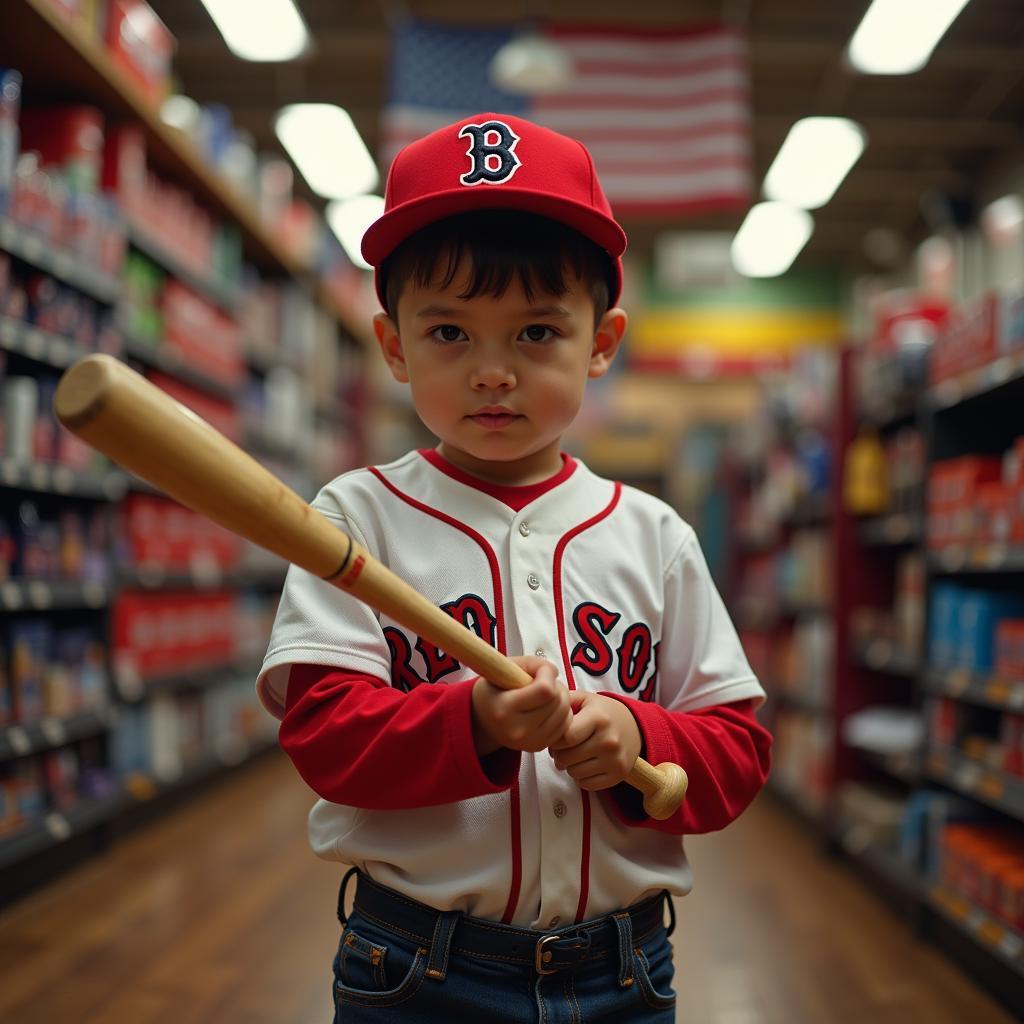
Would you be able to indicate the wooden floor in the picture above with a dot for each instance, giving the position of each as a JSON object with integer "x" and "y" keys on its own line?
{"x": 219, "y": 914}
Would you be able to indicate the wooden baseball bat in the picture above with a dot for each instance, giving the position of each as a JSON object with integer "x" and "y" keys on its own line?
{"x": 138, "y": 426}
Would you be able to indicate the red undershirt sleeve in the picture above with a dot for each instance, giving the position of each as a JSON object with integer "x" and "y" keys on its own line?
{"x": 357, "y": 741}
{"x": 725, "y": 751}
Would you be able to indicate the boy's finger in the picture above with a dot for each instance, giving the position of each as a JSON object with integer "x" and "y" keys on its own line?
{"x": 579, "y": 731}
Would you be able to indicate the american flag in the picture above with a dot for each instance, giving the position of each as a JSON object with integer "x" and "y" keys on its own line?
{"x": 665, "y": 114}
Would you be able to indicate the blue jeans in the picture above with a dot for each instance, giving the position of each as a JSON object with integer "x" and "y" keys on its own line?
{"x": 396, "y": 970}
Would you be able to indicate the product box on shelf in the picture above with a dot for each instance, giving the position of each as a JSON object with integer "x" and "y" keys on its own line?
{"x": 1010, "y": 649}
{"x": 970, "y": 339}
{"x": 141, "y": 44}
{"x": 953, "y": 486}
{"x": 69, "y": 141}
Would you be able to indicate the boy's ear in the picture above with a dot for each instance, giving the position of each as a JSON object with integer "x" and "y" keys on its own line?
{"x": 607, "y": 338}
{"x": 391, "y": 346}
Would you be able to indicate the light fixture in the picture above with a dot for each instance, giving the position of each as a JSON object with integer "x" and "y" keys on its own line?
{"x": 1003, "y": 220}
{"x": 816, "y": 155}
{"x": 896, "y": 37}
{"x": 770, "y": 238}
{"x": 327, "y": 149}
{"x": 349, "y": 219}
{"x": 275, "y": 32}
{"x": 530, "y": 63}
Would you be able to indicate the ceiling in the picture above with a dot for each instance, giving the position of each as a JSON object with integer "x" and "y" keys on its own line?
{"x": 938, "y": 130}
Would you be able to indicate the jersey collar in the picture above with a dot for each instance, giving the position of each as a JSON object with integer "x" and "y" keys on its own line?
{"x": 516, "y": 496}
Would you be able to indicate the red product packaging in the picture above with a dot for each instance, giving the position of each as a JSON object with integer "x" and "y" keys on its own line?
{"x": 68, "y": 139}
{"x": 124, "y": 166}
{"x": 141, "y": 44}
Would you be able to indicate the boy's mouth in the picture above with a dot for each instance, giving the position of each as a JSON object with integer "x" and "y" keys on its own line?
{"x": 493, "y": 417}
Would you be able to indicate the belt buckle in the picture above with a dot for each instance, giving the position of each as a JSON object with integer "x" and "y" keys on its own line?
{"x": 541, "y": 956}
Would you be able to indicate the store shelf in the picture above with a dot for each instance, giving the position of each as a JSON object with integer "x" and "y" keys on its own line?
{"x": 997, "y": 789}
{"x": 58, "y": 827}
{"x": 46, "y": 47}
{"x": 166, "y": 360}
{"x": 893, "y": 530}
{"x": 51, "y": 595}
{"x": 904, "y": 768}
{"x": 882, "y": 655}
{"x": 23, "y": 739}
{"x": 982, "y": 558}
{"x": 67, "y": 267}
{"x": 199, "y": 577}
{"x": 1004, "y": 694}
{"x": 1008, "y": 371}
{"x": 881, "y": 861}
{"x": 48, "y": 478}
{"x": 223, "y": 295}
{"x": 993, "y": 935}
{"x": 133, "y": 688}
{"x": 41, "y": 346}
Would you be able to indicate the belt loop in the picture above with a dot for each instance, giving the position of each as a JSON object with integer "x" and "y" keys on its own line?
{"x": 671, "y": 913}
{"x": 441, "y": 944}
{"x": 342, "y": 916}
{"x": 624, "y": 927}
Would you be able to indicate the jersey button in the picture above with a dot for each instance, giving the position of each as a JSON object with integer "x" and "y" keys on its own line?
{"x": 560, "y": 808}
{"x": 524, "y": 528}
{"x": 540, "y": 652}
{"x": 532, "y": 581}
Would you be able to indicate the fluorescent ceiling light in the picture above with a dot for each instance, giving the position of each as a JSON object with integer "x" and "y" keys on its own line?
{"x": 896, "y": 37}
{"x": 810, "y": 165}
{"x": 349, "y": 219}
{"x": 273, "y": 32}
{"x": 770, "y": 238}
{"x": 327, "y": 149}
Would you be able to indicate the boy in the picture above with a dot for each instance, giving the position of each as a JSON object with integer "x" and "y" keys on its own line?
{"x": 503, "y": 866}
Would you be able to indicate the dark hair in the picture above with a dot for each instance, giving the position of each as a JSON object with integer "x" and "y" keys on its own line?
{"x": 500, "y": 244}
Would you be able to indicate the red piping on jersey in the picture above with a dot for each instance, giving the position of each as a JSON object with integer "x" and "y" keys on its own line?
{"x": 560, "y": 619}
{"x": 499, "y": 615}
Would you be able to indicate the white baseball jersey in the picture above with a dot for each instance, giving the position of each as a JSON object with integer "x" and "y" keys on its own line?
{"x": 604, "y": 580}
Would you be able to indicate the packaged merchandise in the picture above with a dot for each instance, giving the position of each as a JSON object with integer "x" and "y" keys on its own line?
{"x": 10, "y": 107}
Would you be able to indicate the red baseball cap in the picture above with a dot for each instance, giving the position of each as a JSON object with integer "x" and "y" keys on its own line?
{"x": 494, "y": 161}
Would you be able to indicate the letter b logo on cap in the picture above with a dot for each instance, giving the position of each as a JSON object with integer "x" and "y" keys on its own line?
{"x": 491, "y": 153}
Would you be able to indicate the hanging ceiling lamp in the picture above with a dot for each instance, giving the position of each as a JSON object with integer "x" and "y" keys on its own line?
{"x": 531, "y": 63}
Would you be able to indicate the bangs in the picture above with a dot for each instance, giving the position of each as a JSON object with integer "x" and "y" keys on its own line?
{"x": 498, "y": 246}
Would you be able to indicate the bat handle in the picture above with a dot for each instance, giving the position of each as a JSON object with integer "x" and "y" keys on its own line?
{"x": 663, "y": 787}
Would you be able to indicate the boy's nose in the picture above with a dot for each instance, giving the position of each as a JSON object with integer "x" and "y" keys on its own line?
{"x": 488, "y": 376}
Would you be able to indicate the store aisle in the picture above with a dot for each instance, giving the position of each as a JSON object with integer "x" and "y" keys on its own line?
{"x": 218, "y": 914}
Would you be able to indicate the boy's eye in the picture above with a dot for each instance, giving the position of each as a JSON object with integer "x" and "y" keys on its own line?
{"x": 537, "y": 332}
{"x": 448, "y": 332}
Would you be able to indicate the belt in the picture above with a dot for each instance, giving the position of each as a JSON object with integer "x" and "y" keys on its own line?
{"x": 490, "y": 940}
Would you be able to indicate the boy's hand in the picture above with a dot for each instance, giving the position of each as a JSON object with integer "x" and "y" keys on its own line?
{"x": 528, "y": 719}
{"x": 601, "y": 744}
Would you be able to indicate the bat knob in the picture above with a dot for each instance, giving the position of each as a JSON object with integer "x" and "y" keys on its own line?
{"x": 665, "y": 800}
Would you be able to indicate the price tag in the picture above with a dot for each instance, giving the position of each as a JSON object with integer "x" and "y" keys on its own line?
{"x": 61, "y": 352}
{"x": 54, "y": 730}
{"x": 1001, "y": 369}
{"x": 9, "y": 472}
{"x": 1015, "y": 698}
{"x": 126, "y": 676}
{"x": 40, "y": 594}
{"x": 953, "y": 558}
{"x": 948, "y": 392}
{"x": 11, "y": 596}
{"x": 58, "y": 826}
{"x": 967, "y": 776}
{"x": 93, "y": 595}
{"x": 39, "y": 477}
{"x": 63, "y": 479}
{"x": 32, "y": 247}
{"x": 1011, "y": 946}
{"x": 19, "y": 740}
{"x": 8, "y": 333}
{"x": 35, "y": 343}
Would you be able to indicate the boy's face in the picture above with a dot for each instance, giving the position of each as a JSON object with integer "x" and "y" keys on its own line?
{"x": 498, "y": 380}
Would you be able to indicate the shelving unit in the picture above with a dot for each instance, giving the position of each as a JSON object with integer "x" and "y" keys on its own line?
{"x": 80, "y": 772}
